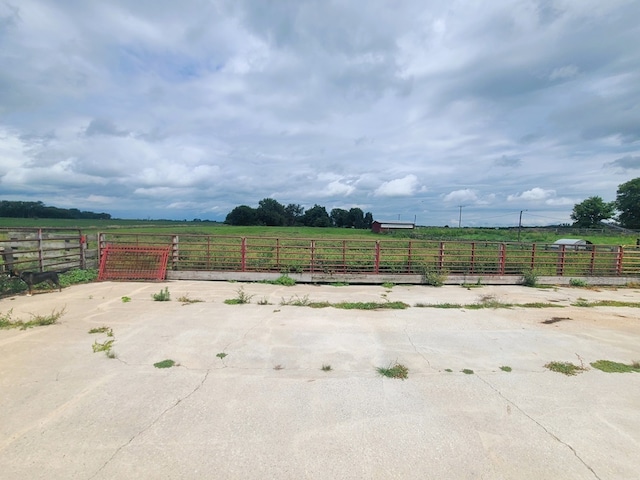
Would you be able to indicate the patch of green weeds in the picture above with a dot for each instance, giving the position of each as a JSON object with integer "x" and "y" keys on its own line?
{"x": 370, "y": 305}
{"x": 529, "y": 278}
{"x": 284, "y": 280}
{"x": 168, "y": 363}
{"x": 505, "y": 368}
{"x": 615, "y": 367}
{"x": 296, "y": 301}
{"x": 7, "y": 322}
{"x": 162, "y": 296}
{"x": 107, "y": 330}
{"x": 76, "y": 276}
{"x": 448, "y": 370}
{"x": 339, "y": 284}
{"x": 221, "y": 355}
{"x": 566, "y": 368}
{"x": 326, "y": 368}
{"x": 467, "y": 371}
{"x": 102, "y": 347}
{"x": 388, "y": 285}
{"x": 439, "y": 305}
{"x": 488, "y": 301}
{"x": 539, "y": 305}
{"x": 581, "y": 302}
{"x": 432, "y": 277}
{"x": 396, "y": 371}
{"x": 125, "y": 299}
{"x": 241, "y": 299}
{"x": 186, "y": 300}
{"x": 577, "y": 282}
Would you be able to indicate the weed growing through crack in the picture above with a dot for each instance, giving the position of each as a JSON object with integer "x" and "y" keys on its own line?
{"x": 162, "y": 296}
{"x": 581, "y": 302}
{"x": 168, "y": 363}
{"x": 283, "y": 279}
{"x": 577, "y": 282}
{"x": 396, "y": 371}
{"x": 505, "y": 368}
{"x": 388, "y": 285}
{"x": 339, "y": 284}
{"x": 6, "y": 321}
{"x": 102, "y": 347}
{"x": 467, "y": 371}
{"x": 106, "y": 330}
{"x": 615, "y": 367}
{"x": 326, "y": 368}
{"x": 186, "y": 300}
{"x": 125, "y": 299}
{"x": 264, "y": 301}
{"x": 370, "y": 305}
{"x": 439, "y": 305}
{"x": 221, "y": 355}
{"x": 241, "y": 299}
{"x": 448, "y": 370}
{"x": 566, "y": 368}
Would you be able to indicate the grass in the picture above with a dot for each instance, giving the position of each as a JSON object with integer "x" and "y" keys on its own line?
{"x": 396, "y": 371}
{"x": 439, "y": 305}
{"x": 529, "y": 278}
{"x": 106, "y": 330}
{"x": 7, "y": 322}
{"x": 339, "y": 284}
{"x": 285, "y": 280}
{"x": 388, "y": 285}
{"x": 125, "y": 299}
{"x": 576, "y": 282}
{"x": 168, "y": 363}
{"x": 370, "y": 305}
{"x": 566, "y": 368}
{"x": 162, "y": 296}
{"x": 326, "y": 368}
{"x": 102, "y": 346}
{"x": 241, "y": 299}
{"x": 581, "y": 302}
{"x": 186, "y": 300}
{"x": 505, "y": 368}
{"x": 615, "y": 367}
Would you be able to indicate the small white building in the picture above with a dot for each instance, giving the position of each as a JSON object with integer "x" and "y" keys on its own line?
{"x": 380, "y": 227}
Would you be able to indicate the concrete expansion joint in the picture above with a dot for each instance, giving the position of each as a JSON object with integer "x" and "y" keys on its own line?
{"x": 150, "y": 425}
{"x": 546, "y": 430}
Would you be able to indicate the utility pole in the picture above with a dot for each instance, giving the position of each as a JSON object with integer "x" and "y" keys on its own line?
{"x": 460, "y": 216}
{"x": 520, "y": 224}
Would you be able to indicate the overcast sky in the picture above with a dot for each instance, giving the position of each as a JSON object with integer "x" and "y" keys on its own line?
{"x": 407, "y": 109}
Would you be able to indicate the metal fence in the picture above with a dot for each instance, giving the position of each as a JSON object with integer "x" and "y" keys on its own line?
{"x": 398, "y": 257}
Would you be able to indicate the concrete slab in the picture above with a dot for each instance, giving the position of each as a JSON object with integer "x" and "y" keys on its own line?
{"x": 267, "y": 410}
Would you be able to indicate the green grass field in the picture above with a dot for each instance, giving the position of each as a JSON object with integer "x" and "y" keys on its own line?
{"x": 528, "y": 235}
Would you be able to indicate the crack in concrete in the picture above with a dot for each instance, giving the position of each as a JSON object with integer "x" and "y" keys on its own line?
{"x": 555, "y": 437}
{"x": 156, "y": 420}
{"x": 406, "y": 332}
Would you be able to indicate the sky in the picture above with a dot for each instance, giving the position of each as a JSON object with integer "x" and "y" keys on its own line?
{"x": 440, "y": 112}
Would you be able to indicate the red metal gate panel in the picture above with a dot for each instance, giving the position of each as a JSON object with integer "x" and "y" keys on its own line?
{"x": 133, "y": 262}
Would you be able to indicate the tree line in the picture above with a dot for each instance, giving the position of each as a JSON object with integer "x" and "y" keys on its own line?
{"x": 590, "y": 212}
{"x": 272, "y": 213}
{"x": 40, "y": 210}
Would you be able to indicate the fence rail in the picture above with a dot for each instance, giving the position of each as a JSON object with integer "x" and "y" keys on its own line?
{"x": 379, "y": 257}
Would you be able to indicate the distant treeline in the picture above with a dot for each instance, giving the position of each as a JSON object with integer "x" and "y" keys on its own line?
{"x": 40, "y": 210}
{"x": 272, "y": 213}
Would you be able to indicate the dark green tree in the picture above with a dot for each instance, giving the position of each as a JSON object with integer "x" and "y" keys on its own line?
{"x": 591, "y": 212}
{"x": 340, "y": 217}
{"x": 294, "y": 213}
{"x": 356, "y": 218}
{"x": 317, "y": 217}
{"x": 242, "y": 215}
{"x": 271, "y": 213}
{"x": 368, "y": 220}
{"x": 628, "y": 204}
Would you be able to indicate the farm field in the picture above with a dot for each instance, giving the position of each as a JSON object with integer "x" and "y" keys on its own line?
{"x": 527, "y": 235}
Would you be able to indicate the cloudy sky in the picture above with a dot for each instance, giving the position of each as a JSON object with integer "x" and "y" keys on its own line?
{"x": 409, "y": 109}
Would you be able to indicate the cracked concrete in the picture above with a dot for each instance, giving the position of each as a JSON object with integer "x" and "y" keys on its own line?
{"x": 66, "y": 412}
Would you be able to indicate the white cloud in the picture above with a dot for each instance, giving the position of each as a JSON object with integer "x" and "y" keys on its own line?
{"x": 399, "y": 187}
{"x": 461, "y": 196}
{"x": 536, "y": 194}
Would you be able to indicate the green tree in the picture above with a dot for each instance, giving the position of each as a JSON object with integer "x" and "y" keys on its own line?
{"x": 340, "y": 217}
{"x": 591, "y": 212}
{"x": 271, "y": 213}
{"x": 242, "y": 215}
{"x": 294, "y": 213}
{"x": 368, "y": 220}
{"x": 356, "y": 218}
{"x": 628, "y": 204}
{"x": 317, "y": 217}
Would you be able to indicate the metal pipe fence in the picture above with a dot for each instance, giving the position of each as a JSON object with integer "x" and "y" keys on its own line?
{"x": 338, "y": 256}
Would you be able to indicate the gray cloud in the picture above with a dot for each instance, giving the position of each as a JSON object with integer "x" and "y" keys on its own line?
{"x": 152, "y": 109}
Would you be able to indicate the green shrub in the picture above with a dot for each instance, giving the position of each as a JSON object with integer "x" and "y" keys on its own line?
{"x": 529, "y": 278}
{"x": 162, "y": 296}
